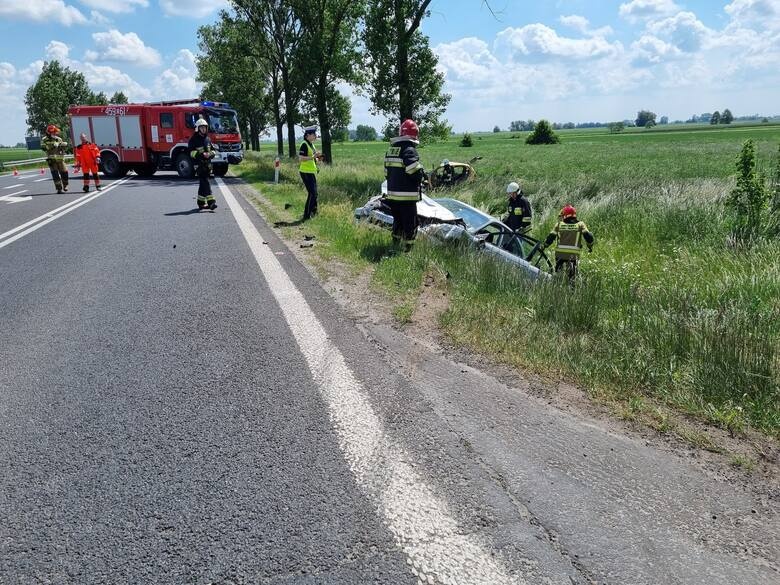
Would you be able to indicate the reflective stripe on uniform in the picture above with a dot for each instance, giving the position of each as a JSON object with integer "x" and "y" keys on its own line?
{"x": 308, "y": 166}
{"x": 413, "y": 168}
{"x": 403, "y": 195}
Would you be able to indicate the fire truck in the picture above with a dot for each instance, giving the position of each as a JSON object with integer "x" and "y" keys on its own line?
{"x": 149, "y": 137}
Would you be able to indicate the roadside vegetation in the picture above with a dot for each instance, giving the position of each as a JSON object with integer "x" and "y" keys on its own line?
{"x": 673, "y": 306}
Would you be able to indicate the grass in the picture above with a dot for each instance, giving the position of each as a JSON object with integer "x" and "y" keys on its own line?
{"x": 666, "y": 307}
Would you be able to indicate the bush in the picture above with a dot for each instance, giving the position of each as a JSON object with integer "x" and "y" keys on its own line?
{"x": 542, "y": 134}
{"x": 749, "y": 198}
{"x": 466, "y": 140}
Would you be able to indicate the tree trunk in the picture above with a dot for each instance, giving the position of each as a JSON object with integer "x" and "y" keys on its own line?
{"x": 404, "y": 98}
{"x": 289, "y": 111}
{"x": 322, "y": 114}
{"x": 277, "y": 115}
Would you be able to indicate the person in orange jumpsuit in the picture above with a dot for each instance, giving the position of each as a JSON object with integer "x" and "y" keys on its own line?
{"x": 87, "y": 156}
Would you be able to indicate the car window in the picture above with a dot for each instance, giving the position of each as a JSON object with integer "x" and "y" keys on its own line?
{"x": 166, "y": 120}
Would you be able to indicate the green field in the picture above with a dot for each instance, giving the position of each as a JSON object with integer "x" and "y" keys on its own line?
{"x": 9, "y": 154}
{"x": 669, "y": 309}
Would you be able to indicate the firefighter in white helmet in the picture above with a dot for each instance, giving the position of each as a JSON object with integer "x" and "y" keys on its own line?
{"x": 518, "y": 209}
{"x": 202, "y": 151}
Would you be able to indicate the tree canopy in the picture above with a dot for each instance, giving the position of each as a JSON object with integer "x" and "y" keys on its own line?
{"x": 56, "y": 88}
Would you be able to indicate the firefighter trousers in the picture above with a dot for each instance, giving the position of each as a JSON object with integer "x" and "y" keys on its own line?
{"x": 59, "y": 172}
{"x": 93, "y": 169}
{"x": 404, "y": 219}
{"x": 204, "y": 187}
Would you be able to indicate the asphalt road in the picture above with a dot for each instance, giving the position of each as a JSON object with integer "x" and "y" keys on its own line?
{"x": 180, "y": 402}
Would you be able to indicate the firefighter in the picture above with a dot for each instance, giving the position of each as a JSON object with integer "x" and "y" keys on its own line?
{"x": 405, "y": 176}
{"x": 448, "y": 173}
{"x": 518, "y": 209}
{"x": 569, "y": 232}
{"x": 87, "y": 157}
{"x": 308, "y": 157}
{"x": 54, "y": 147}
{"x": 202, "y": 151}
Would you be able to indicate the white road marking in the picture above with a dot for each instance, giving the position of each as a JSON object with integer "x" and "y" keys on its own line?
{"x": 421, "y": 523}
{"x": 12, "y": 194}
{"x": 11, "y": 198}
{"x": 14, "y": 186}
{"x": 49, "y": 217}
{"x": 39, "y": 180}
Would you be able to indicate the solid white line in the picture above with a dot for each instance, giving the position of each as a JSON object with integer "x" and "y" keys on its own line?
{"x": 39, "y": 180}
{"x": 13, "y": 186}
{"x": 56, "y": 214}
{"x": 420, "y": 522}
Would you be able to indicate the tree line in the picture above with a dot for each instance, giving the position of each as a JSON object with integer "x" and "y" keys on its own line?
{"x": 279, "y": 62}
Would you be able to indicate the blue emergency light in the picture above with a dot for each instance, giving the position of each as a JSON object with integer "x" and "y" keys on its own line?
{"x": 210, "y": 104}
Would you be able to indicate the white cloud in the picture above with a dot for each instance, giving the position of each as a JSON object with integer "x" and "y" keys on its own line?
{"x": 42, "y": 11}
{"x": 639, "y": 10}
{"x": 684, "y": 31}
{"x": 650, "y": 50}
{"x": 537, "y": 42}
{"x": 179, "y": 81}
{"x": 761, "y": 14}
{"x": 97, "y": 18}
{"x": 123, "y": 6}
{"x": 582, "y": 25}
{"x": 57, "y": 50}
{"x": 199, "y": 10}
{"x": 115, "y": 46}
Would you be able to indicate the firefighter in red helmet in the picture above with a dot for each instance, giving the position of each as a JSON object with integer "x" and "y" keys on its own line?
{"x": 405, "y": 175}
{"x": 54, "y": 147}
{"x": 569, "y": 232}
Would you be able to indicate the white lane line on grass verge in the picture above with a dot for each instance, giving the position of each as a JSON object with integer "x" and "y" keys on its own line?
{"x": 42, "y": 220}
{"x": 420, "y": 522}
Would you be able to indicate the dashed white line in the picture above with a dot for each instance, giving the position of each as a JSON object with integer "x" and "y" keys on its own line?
{"x": 39, "y": 180}
{"x": 49, "y": 217}
{"x": 14, "y": 186}
{"x": 437, "y": 549}
{"x": 12, "y": 194}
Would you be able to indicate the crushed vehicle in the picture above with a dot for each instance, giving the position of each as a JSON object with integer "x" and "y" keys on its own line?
{"x": 449, "y": 220}
{"x": 450, "y": 173}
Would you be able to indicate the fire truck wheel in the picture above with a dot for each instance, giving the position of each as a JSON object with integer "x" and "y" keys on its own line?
{"x": 220, "y": 170}
{"x": 184, "y": 166}
{"x": 111, "y": 166}
{"x": 146, "y": 170}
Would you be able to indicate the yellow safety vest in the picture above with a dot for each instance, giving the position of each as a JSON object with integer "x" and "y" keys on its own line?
{"x": 309, "y": 166}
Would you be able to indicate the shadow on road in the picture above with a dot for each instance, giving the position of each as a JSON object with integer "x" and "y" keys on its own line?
{"x": 188, "y": 212}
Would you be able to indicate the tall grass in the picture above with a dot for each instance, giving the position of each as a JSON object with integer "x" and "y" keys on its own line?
{"x": 666, "y": 305}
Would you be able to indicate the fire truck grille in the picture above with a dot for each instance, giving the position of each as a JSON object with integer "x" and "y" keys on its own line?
{"x": 229, "y": 146}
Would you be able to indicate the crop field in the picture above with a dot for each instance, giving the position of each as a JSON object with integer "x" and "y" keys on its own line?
{"x": 668, "y": 309}
{"x": 7, "y": 154}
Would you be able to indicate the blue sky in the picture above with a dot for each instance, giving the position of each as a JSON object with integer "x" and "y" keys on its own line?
{"x": 564, "y": 60}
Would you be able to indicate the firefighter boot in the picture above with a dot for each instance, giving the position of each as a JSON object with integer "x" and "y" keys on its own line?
{"x": 86, "y": 189}
{"x": 64, "y": 181}
{"x": 212, "y": 203}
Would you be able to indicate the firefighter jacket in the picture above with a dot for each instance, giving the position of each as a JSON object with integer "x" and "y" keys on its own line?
{"x": 54, "y": 147}
{"x": 403, "y": 170}
{"x": 519, "y": 213}
{"x": 198, "y": 145}
{"x": 307, "y": 149}
{"x": 86, "y": 155}
{"x": 569, "y": 233}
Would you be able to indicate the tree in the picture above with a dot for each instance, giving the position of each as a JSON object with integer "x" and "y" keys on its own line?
{"x": 47, "y": 99}
{"x": 339, "y": 109}
{"x": 542, "y": 134}
{"x": 118, "y": 98}
{"x": 466, "y": 140}
{"x": 643, "y": 117}
{"x": 364, "y": 133}
{"x": 230, "y": 72}
{"x": 496, "y": 129}
{"x": 278, "y": 32}
{"x": 726, "y": 117}
{"x": 664, "y": 120}
{"x": 402, "y": 80}
{"x": 715, "y": 119}
{"x": 332, "y": 43}
{"x": 340, "y": 134}
{"x": 616, "y": 127}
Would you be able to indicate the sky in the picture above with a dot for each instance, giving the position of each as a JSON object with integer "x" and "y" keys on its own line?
{"x": 503, "y": 60}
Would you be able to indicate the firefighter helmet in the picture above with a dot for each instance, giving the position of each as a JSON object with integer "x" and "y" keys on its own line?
{"x": 201, "y": 122}
{"x": 568, "y": 211}
{"x": 51, "y": 129}
{"x": 512, "y": 187}
{"x": 410, "y": 130}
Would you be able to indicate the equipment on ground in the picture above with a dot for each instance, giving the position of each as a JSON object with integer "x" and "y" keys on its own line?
{"x": 149, "y": 137}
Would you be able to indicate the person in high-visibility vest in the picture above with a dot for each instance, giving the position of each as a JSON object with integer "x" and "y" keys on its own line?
{"x": 202, "y": 151}
{"x": 518, "y": 209}
{"x": 54, "y": 147}
{"x": 308, "y": 157}
{"x": 405, "y": 175}
{"x": 87, "y": 156}
{"x": 570, "y": 233}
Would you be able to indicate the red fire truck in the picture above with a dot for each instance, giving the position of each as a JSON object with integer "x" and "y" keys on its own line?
{"x": 149, "y": 137}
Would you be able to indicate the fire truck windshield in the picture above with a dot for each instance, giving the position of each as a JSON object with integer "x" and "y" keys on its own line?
{"x": 222, "y": 122}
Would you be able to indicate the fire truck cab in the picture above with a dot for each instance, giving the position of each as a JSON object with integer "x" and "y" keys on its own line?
{"x": 149, "y": 137}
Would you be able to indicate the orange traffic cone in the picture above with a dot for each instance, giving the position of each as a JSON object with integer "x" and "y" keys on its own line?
{"x": 16, "y": 172}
